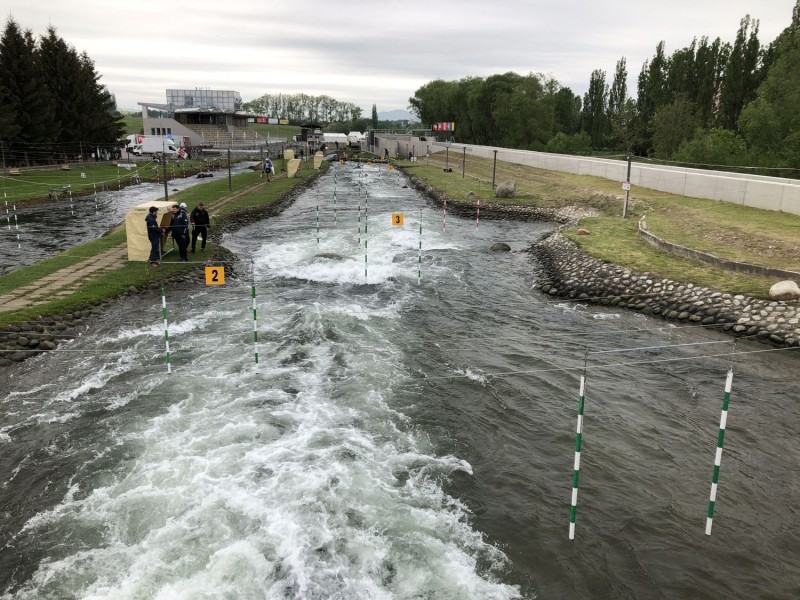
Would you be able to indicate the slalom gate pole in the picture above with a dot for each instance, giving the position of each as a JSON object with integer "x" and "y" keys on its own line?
{"x": 71, "y": 206}
{"x": 255, "y": 321}
{"x": 8, "y": 216}
{"x": 16, "y": 226}
{"x": 444, "y": 215}
{"x": 359, "y": 222}
{"x": 718, "y": 457}
{"x": 334, "y": 206}
{"x": 419, "y": 266}
{"x": 317, "y": 224}
{"x": 96, "y": 207}
{"x": 577, "y": 465}
{"x": 366, "y": 224}
{"x": 166, "y": 326}
{"x": 478, "y": 215}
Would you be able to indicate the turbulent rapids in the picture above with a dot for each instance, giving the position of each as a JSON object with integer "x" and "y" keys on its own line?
{"x": 408, "y": 431}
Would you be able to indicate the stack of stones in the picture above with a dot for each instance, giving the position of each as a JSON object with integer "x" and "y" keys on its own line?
{"x": 18, "y": 342}
{"x": 565, "y": 272}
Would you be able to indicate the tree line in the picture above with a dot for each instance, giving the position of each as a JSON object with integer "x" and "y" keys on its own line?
{"x": 712, "y": 103}
{"x": 52, "y": 104}
{"x": 304, "y": 108}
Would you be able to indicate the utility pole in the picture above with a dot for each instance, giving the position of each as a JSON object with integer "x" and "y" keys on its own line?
{"x": 627, "y": 187}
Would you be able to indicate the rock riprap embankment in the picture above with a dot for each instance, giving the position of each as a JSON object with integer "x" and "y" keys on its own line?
{"x": 565, "y": 272}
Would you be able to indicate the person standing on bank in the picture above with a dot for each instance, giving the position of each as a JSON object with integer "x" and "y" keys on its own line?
{"x": 180, "y": 229}
{"x": 269, "y": 169}
{"x": 154, "y": 235}
{"x": 201, "y": 221}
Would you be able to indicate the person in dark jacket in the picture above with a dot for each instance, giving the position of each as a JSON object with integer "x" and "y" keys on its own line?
{"x": 180, "y": 230}
{"x": 201, "y": 221}
{"x": 154, "y": 235}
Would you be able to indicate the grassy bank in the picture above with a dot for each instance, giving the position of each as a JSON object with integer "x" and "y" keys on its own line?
{"x": 247, "y": 189}
{"x": 36, "y": 184}
{"x": 729, "y": 231}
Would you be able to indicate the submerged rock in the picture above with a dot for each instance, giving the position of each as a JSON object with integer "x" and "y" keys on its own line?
{"x": 500, "y": 247}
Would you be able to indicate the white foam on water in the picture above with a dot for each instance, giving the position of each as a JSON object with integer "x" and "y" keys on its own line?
{"x": 296, "y": 478}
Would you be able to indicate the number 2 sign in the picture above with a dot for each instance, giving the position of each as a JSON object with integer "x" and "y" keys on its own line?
{"x": 215, "y": 275}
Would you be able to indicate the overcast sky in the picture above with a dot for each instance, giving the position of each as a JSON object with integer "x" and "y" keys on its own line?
{"x": 375, "y": 52}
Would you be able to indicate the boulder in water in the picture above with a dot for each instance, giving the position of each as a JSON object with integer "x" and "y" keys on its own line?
{"x": 500, "y": 247}
{"x": 329, "y": 256}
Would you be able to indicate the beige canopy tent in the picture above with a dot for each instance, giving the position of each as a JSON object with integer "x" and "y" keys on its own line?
{"x": 136, "y": 228}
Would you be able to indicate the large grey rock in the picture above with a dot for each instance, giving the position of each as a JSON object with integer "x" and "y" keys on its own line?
{"x": 500, "y": 247}
{"x": 507, "y": 189}
{"x": 784, "y": 290}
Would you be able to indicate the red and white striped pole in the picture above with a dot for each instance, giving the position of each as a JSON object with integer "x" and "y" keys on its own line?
{"x": 444, "y": 214}
{"x": 478, "y": 215}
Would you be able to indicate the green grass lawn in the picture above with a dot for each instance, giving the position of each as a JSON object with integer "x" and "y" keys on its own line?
{"x": 727, "y": 230}
{"x": 85, "y": 178}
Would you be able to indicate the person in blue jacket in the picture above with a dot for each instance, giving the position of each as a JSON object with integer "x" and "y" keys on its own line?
{"x": 180, "y": 230}
{"x": 154, "y": 235}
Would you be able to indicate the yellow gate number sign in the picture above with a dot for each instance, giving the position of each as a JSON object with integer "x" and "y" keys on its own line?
{"x": 215, "y": 275}
{"x": 397, "y": 219}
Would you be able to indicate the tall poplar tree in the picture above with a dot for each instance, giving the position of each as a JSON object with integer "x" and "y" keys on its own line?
{"x": 742, "y": 74}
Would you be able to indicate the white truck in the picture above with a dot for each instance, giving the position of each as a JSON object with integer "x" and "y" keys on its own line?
{"x": 150, "y": 144}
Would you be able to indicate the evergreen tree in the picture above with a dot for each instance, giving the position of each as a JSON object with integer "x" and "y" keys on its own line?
{"x": 374, "y": 117}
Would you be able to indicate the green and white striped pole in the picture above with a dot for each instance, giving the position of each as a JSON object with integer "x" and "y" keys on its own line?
{"x": 577, "y": 466}
{"x": 166, "y": 326}
{"x": 419, "y": 266}
{"x": 255, "y": 322}
{"x": 366, "y": 224}
{"x": 16, "y": 227}
{"x": 718, "y": 457}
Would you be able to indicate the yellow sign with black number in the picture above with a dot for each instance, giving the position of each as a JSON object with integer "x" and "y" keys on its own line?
{"x": 397, "y": 219}
{"x": 215, "y": 275}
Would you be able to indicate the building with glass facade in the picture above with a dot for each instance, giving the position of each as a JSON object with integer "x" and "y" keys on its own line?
{"x": 225, "y": 100}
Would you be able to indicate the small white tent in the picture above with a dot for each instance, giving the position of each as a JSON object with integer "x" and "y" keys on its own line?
{"x": 136, "y": 228}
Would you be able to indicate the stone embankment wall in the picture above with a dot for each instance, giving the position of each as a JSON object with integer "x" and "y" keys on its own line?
{"x": 565, "y": 272}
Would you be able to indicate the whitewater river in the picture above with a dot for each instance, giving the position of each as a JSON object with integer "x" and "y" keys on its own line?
{"x": 399, "y": 437}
